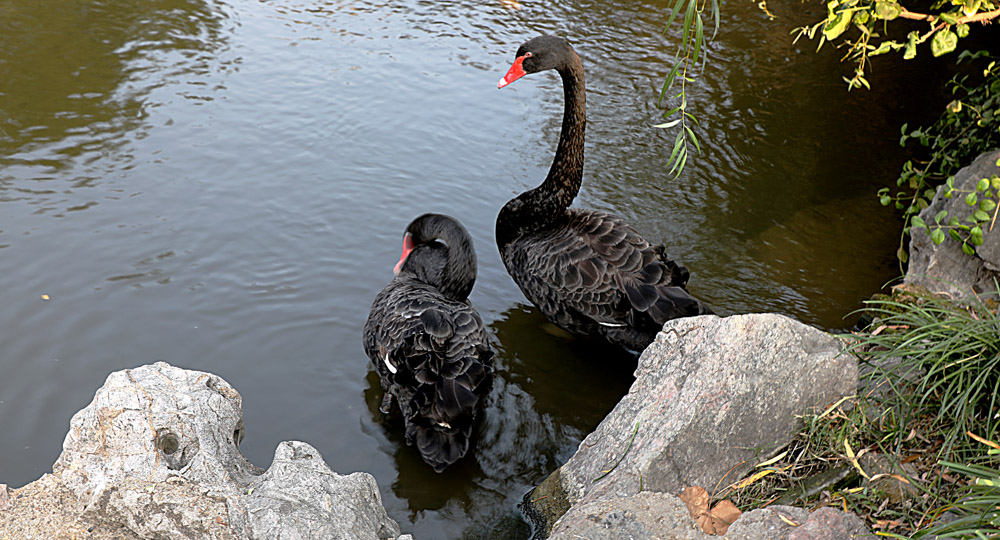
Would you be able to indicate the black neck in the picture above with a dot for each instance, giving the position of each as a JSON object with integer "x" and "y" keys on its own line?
{"x": 546, "y": 204}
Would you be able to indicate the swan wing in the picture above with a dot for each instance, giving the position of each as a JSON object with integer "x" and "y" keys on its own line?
{"x": 595, "y": 266}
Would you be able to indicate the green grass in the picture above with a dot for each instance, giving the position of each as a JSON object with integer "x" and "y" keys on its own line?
{"x": 912, "y": 455}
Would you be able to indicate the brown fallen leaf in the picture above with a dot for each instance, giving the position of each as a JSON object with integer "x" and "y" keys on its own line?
{"x": 715, "y": 520}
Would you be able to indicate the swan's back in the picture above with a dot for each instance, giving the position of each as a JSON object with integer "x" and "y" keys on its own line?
{"x": 593, "y": 274}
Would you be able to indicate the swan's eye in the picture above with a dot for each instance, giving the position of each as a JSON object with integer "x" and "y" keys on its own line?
{"x": 528, "y": 54}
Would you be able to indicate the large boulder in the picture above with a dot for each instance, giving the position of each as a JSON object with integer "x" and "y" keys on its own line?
{"x": 156, "y": 455}
{"x": 945, "y": 269}
{"x": 712, "y": 397}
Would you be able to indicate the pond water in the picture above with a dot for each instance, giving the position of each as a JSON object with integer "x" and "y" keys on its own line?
{"x": 223, "y": 185}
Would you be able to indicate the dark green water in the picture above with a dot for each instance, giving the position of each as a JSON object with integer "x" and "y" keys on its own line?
{"x": 223, "y": 186}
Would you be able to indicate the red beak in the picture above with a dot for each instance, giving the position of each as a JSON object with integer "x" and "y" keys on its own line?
{"x": 514, "y": 73}
{"x": 407, "y": 248}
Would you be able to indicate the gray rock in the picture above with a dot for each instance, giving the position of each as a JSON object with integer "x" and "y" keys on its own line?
{"x": 712, "y": 396}
{"x": 944, "y": 268}
{"x": 300, "y": 497}
{"x": 824, "y": 524}
{"x": 660, "y": 516}
{"x": 830, "y": 524}
{"x": 643, "y": 516}
{"x": 157, "y": 452}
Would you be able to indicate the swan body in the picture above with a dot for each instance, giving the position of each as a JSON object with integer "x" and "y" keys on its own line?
{"x": 588, "y": 272}
{"x": 428, "y": 344}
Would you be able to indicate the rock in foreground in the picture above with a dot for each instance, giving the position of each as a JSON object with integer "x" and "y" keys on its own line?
{"x": 156, "y": 455}
{"x": 712, "y": 397}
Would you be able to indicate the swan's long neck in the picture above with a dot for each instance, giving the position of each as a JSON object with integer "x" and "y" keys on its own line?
{"x": 546, "y": 204}
{"x": 564, "y": 178}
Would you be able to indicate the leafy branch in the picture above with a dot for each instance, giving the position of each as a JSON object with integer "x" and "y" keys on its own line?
{"x": 946, "y": 27}
{"x": 968, "y": 126}
{"x": 691, "y": 49}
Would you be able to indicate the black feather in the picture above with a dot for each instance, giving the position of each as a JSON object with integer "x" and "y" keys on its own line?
{"x": 434, "y": 339}
{"x": 588, "y": 272}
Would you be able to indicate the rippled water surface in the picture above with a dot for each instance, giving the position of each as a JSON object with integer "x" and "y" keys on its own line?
{"x": 223, "y": 185}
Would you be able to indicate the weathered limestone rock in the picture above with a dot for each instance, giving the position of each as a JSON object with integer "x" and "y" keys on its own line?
{"x": 712, "y": 396}
{"x": 156, "y": 455}
{"x": 944, "y": 268}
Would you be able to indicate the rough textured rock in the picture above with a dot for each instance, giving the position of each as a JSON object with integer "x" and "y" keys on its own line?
{"x": 712, "y": 396}
{"x": 824, "y": 524}
{"x": 660, "y": 516}
{"x": 156, "y": 455}
{"x": 945, "y": 269}
{"x": 646, "y": 515}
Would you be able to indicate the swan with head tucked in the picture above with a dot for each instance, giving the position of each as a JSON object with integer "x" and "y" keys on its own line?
{"x": 428, "y": 343}
{"x": 587, "y": 271}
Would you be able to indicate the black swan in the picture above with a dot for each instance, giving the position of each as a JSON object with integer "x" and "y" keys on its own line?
{"x": 428, "y": 343}
{"x": 587, "y": 271}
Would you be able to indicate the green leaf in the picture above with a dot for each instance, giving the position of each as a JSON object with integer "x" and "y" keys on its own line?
{"x": 981, "y": 216}
{"x": 910, "y": 51}
{"x": 678, "y": 144}
{"x": 944, "y": 42}
{"x": 699, "y": 37}
{"x": 971, "y": 199}
{"x": 987, "y": 204}
{"x": 694, "y": 138}
{"x": 673, "y": 14}
{"x": 937, "y": 236}
{"x": 983, "y": 184}
{"x": 688, "y": 19}
{"x": 667, "y": 125}
{"x": 901, "y": 254}
{"x": 940, "y": 215}
{"x": 836, "y": 26}
{"x": 962, "y": 30}
{"x": 887, "y": 10}
{"x": 970, "y": 7}
{"x": 954, "y": 234}
{"x": 669, "y": 81}
{"x": 883, "y": 48}
{"x": 949, "y": 18}
{"x": 917, "y": 223}
{"x": 968, "y": 249}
